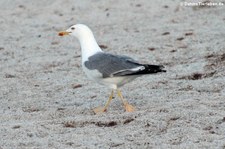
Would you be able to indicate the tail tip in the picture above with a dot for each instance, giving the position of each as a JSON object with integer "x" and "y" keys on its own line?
{"x": 161, "y": 67}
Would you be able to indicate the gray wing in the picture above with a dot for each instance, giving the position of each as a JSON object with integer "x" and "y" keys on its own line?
{"x": 112, "y": 65}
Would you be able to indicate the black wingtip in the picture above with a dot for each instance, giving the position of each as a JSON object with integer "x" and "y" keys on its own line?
{"x": 150, "y": 69}
{"x": 161, "y": 68}
{"x": 155, "y": 68}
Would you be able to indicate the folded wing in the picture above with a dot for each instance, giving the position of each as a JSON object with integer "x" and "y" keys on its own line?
{"x": 110, "y": 65}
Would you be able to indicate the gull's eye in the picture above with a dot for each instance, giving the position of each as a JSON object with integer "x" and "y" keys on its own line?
{"x": 72, "y": 28}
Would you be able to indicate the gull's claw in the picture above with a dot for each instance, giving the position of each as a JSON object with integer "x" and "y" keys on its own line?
{"x": 129, "y": 108}
{"x": 99, "y": 110}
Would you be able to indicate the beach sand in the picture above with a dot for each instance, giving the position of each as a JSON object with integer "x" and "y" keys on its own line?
{"x": 46, "y": 101}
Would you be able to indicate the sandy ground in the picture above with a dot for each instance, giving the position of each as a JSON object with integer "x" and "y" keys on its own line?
{"x": 46, "y": 101}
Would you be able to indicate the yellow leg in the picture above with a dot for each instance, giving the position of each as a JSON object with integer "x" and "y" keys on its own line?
{"x": 99, "y": 110}
{"x": 127, "y": 106}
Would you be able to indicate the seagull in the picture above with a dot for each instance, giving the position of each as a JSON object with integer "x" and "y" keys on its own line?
{"x": 107, "y": 69}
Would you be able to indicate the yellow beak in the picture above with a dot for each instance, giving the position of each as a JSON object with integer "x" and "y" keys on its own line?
{"x": 63, "y": 33}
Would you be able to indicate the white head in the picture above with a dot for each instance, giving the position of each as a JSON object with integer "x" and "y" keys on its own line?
{"x": 85, "y": 36}
{"x": 79, "y": 31}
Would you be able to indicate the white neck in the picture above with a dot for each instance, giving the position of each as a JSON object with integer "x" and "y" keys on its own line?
{"x": 89, "y": 45}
